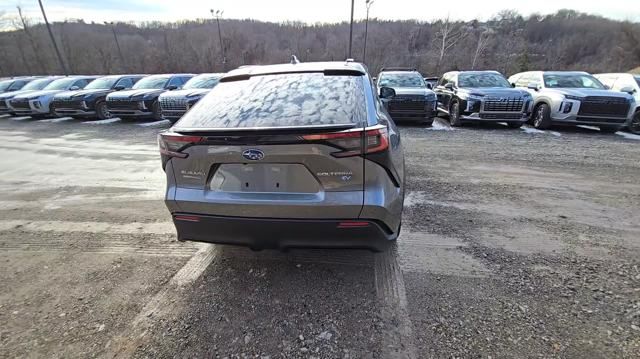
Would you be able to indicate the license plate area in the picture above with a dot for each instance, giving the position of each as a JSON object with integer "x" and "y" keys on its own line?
{"x": 263, "y": 178}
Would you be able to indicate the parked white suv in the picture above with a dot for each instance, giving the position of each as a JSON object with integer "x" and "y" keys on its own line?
{"x": 628, "y": 83}
{"x": 574, "y": 98}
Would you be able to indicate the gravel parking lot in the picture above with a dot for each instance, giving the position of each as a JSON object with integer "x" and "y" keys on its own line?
{"x": 516, "y": 243}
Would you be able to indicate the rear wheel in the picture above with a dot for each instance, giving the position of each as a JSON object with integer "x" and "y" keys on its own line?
{"x": 609, "y": 129}
{"x": 542, "y": 117}
{"x": 102, "y": 112}
{"x": 454, "y": 115}
{"x": 514, "y": 124}
{"x": 634, "y": 126}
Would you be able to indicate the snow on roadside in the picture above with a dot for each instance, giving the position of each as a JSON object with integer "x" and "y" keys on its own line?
{"x": 531, "y": 130}
{"x": 22, "y": 118}
{"x": 103, "y": 122}
{"x": 56, "y": 120}
{"x": 628, "y": 135}
{"x": 160, "y": 123}
{"x": 439, "y": 125}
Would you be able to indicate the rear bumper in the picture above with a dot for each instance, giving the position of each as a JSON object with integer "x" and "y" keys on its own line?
{"x": 262, "y": 233}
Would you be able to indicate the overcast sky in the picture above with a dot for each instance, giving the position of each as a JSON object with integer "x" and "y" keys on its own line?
{"x": 310, "y": 10}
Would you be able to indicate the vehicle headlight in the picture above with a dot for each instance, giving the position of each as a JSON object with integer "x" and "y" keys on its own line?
{"x": 574, "y": 98}
{"x": 474, "y": 98}
{"x": 141, "y": 105}
{"x": 430, "y": 97}
{"x": 37, "y": 104}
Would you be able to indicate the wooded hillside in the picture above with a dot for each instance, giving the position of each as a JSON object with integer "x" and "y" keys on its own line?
{"x": 508, "y": 42}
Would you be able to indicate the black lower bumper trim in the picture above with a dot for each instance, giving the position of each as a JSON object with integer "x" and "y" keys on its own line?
{"x": 260, "y": 233}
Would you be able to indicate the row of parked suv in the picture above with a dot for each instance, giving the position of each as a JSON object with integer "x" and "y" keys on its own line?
{"x": 542, "y": 98}
{"x": 166, "y": 96}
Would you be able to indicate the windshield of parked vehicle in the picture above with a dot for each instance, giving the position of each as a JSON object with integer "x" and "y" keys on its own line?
{"x": 37, "y": 84}
{"x": 401, "y": 80}
{"x": 302, "y": 99}
{"x": 201, "y": 82}
{"x": 61, "y": 84}
{"x": 482, "y": 80}
{"x": 571, "y": 81}
{"x": 4, "y": 85}
{"x": 101, "y": 83}
{"x": 152, "y": 82}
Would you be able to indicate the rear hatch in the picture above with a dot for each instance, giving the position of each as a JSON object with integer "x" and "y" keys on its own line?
{"x": 272, "y": 146}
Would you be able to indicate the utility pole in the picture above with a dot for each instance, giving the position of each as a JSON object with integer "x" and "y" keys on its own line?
{"x": 351, "y": 29}
{"x": 53, "y": 40}
{"x": 366, "y": 28}
{"x": 217, "y": 14}
{"x": 115, "y": 37}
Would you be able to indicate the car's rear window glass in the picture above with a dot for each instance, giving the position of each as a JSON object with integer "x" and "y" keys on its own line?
{"x": 303, "y": 99}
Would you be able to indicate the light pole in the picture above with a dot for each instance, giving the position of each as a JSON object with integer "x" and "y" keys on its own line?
{"x": 351, "y": 30}
{"x": 217, "y": 14}
{"x": 53, "y": 40}
{"x": 115, "y": 37}
{"x": 366, "y": 28}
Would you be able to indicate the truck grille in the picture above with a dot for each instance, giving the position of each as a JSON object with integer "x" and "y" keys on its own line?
{"x": 503, "y": 104}
{"x": 408, "y": 103}
{"x": 122, "y": 105}
{"x": 604, "y": 106}
{"x": 173, "y": 104}
{"x": 20, "y": 104}
{"x": 68, "y": 103}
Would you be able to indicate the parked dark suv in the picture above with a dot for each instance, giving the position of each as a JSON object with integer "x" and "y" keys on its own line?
{"x": 281, "y": 156}
{"x": 174, "y": 104}
{"x": 90, "y": 101}
{"x": 142, "y": 100}
{"x": 411, "y": 98}
{"x": 482, "y": 96}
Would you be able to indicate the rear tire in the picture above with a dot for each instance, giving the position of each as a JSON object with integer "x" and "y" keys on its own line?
{"x": 102, "y": 112}
{"x": 454, "y": 117}
{"x": 542, "y": 116}
{"x": 634, "y": 126}
{"x": 609, "y": 129}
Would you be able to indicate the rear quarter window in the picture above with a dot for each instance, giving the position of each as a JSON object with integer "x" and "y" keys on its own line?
{"x": 305, "y": 99}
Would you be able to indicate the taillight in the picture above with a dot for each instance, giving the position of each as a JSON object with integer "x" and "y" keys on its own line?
{"x": 172, "y": 143}
{"x": 376, "y": 139}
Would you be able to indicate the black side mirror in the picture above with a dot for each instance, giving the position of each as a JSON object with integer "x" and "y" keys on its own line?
{"x": 119, "y": 88}
{"x": 449, "y": 86}
{"x": 429, "y": 86}
{"x": 172, "y": 87}
{"x": 387, "y": 92}
{"x": 513, "y": 85}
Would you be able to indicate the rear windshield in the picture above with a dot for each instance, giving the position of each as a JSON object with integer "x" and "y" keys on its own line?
{"x": 304, "y": 99}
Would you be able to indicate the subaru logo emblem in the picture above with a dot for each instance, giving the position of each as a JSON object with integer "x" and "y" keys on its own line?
{"x": 253, "y": 155}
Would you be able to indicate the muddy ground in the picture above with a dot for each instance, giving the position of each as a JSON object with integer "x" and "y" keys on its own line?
{"x": 515, "y": 243}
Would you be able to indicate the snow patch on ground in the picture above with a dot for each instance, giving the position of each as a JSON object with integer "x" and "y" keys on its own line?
{"x": 103, "y": 122}
{"x": 5, "y": 115}
{"x": 531, "y": 130}
{"x": 22, "y": 118}
{"x": 56, "y": 120}
{"x": 590, "y": 127}
{"x": 440, "y": 126}
{"x": 160, "y": 123}
{"x": 557, "y": 134}
{"x": 630, "y": 136}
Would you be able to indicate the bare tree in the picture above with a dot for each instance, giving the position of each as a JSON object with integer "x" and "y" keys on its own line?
{"x": 484, "y": 37}
{"x": 447, "y": 37}
{"x": 32, "y": 40}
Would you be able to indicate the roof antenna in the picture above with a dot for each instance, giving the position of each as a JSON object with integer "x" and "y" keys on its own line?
{"x": 294, "y": 60}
